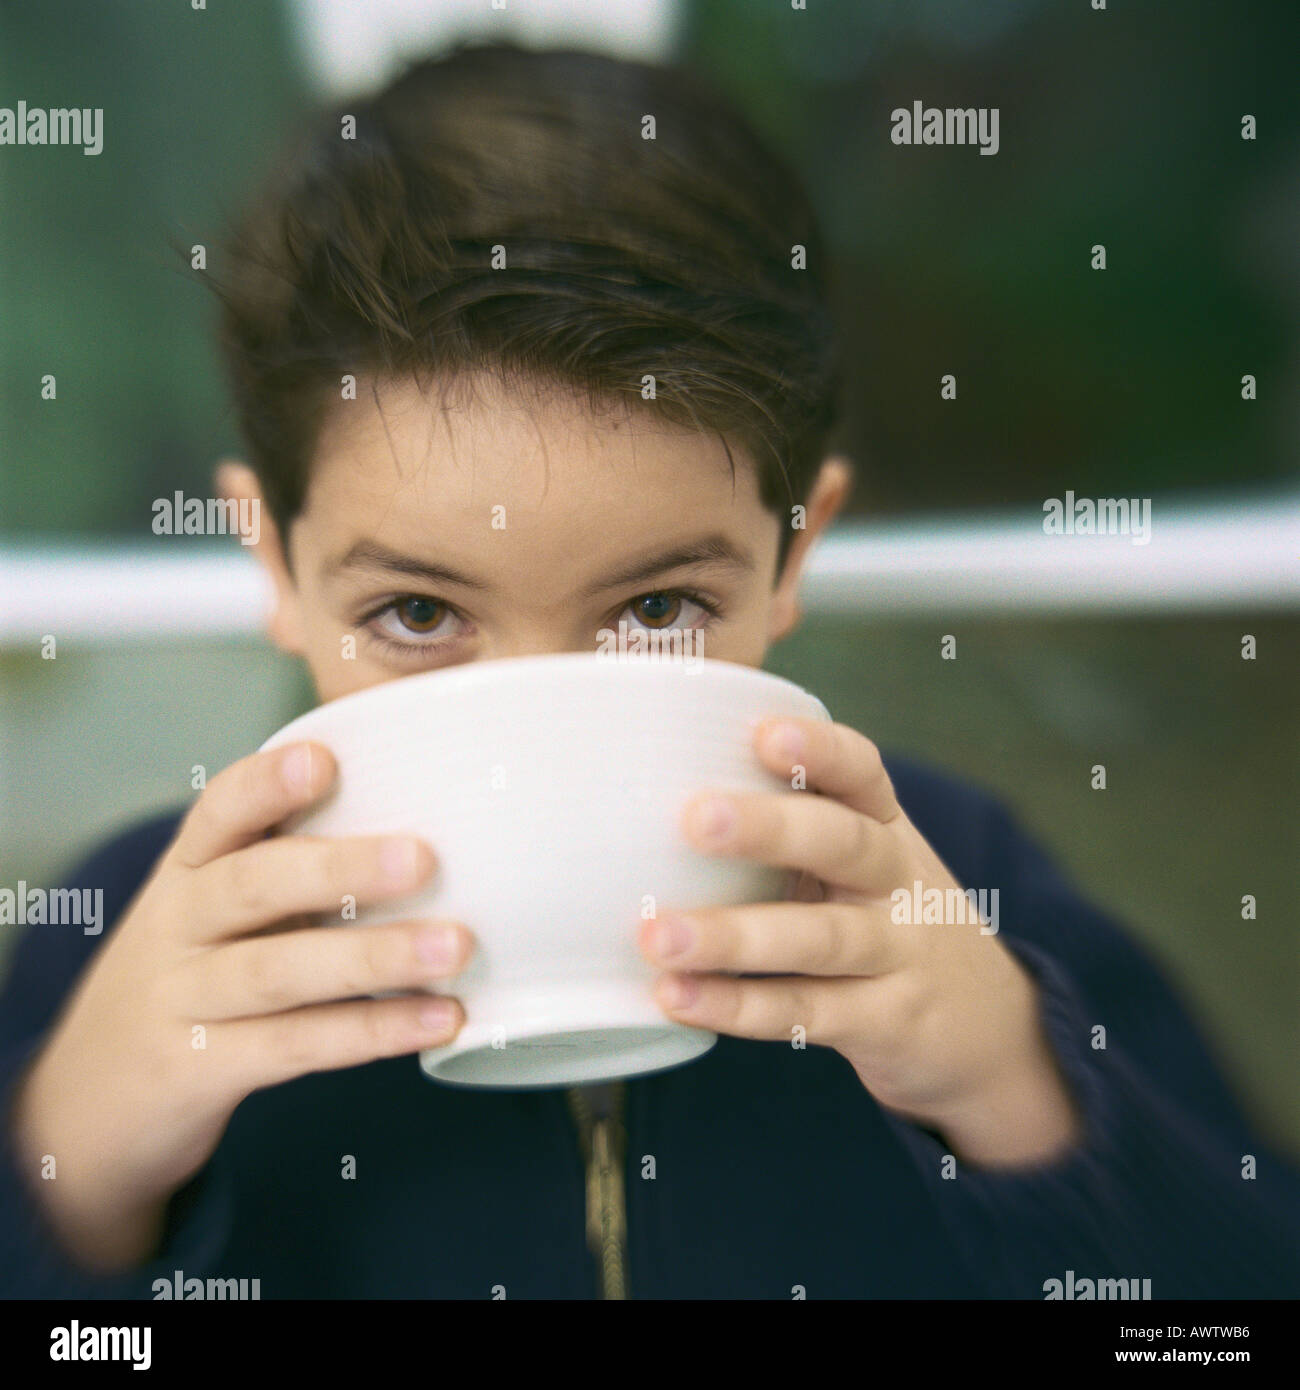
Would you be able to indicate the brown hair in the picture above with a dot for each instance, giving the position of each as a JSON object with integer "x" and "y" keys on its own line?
{"x": 626, "y": 257}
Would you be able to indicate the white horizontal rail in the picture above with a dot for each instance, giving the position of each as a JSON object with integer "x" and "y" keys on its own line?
{"x": 1225, "y": 557}
{"x": 1205, "y": 558}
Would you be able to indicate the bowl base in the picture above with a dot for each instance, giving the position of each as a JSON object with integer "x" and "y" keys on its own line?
{"x": 587, "y": 1034}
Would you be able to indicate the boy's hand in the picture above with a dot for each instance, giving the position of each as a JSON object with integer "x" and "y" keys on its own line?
{"x": 211, "y": 987}
{"x": 939, "y": 1021}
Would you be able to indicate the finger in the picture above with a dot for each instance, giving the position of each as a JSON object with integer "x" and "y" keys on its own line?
{"x": 804, "y": 887}
{"x": 325, "y": 1037}
{"x": 250, "y": 797}
{"x": 294, "y": 874}
{"x": 839, "y": 763}
{"x": 775, "y": 938}
{"x": 778, "y": 1009}
{"x": 803, "y": 831}
{"x": 270, "y": 974}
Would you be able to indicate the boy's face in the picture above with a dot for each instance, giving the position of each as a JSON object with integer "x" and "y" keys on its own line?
{"x": 505, "y": 525}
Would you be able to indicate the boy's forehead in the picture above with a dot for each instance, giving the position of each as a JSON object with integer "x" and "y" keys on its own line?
{"x": 401, "y": 460}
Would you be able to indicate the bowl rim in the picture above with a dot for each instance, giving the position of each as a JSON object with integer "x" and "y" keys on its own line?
{"x": 470, "y": 674}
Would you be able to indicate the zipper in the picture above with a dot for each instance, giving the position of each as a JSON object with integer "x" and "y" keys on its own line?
{"x": 603, "y": 1142}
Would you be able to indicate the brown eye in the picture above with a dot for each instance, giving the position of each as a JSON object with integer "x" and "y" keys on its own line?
{"x": 658, "y": 609}
{"x": 420, "y": 614}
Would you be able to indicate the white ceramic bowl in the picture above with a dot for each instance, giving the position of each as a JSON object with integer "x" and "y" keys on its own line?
{"x": 551, "y": 789}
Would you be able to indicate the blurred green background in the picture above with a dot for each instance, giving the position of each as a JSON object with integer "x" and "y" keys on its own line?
{"x": 1120, "y": 127}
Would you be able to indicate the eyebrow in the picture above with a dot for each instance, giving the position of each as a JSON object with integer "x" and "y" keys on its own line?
{"x": 370, "y": 555}
{"x": 715, "y": 551}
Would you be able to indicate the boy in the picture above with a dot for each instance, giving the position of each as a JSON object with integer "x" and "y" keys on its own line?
{"x": 635, "y": 383}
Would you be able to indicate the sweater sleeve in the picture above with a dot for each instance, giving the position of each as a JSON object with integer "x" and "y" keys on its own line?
{"x": 47, "y": 960}
{"x": 1168, "y": 1182}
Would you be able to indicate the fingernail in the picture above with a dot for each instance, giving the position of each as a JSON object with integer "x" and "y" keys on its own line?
{"x": 787, "y": 741}
{"x": 438, "y": 1015}
{"x": 714, "y": 818}
{"x": 295, "y": 768}
{"x": 400, "y": 862}
{"x": 679, "y": 991}
{"x": 437, "y": 946}
{"x": 673, "y": 936}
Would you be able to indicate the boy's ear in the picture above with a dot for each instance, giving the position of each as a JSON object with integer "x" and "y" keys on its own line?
{"x": 828, "y": 494}
{"x": 235, "y": 481}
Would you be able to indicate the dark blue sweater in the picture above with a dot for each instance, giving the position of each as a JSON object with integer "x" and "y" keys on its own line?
{"x": 774, "y": 1168}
